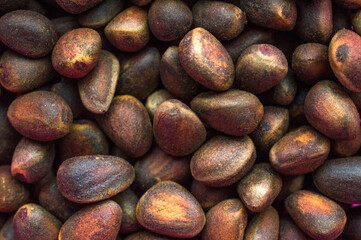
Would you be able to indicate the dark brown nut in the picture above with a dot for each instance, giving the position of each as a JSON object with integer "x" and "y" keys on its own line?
{"x": 100, "y": 15}
{"x": 84, "y": 138}
{"x": 77, "y": 52}
{"x": 169, "y": 209}
{"x": 158, "y": 166}
{"x": 300, "y": 151}
{"x": 271, "y": 128}
{"x": 68, "y": 90}
{"x": 247, "y": 38}
{"x": 260, "y": 67}
{"x": 32, "y": 221}
{"x": 356, "y": 21}
{"x": 223, "y": 160}
{"x": 259, "y": 188}
{"x": 174, "y": 78}
{"x": 278, "y": 14}
{"x": 264, "y": 225}
{"x": 36, "y": 187}
{"x": 155, "y": 99}
{"x": 128, "y": 200}
{"x": 346, "y": 148}
{"x": 296, "y": 108}
{"x": 340, "y": 180}
{"x": 36, "y": 6}
{"x": 205, "y": 59}
{"x": 129, "y": 31}
{"x": 341, "y": 19}
{"x": 140, "y": 3}
{"x": 285, "y": 91}
{"x": 314, "y": 20}
{"x": 13, "y": 193}
{"x": 3, "y": 219}
{"x": 234, "y": 112}
{"x": 142, "y": 235}
{"x": 316, "y": 215}
{"x": 356, "y": 98}
{"x": 93, "y": 178}
{"x": 28, "y": 33}
{"x": 349, "y": 4}
{"x": 77, "y": 6}
{"x": 97, "y": 89}
{"x": 177, "y": 129}
{"x": 65, "y": 24}
{"x": 290, "y": 184}
{"x": 288, "y": 230}
{"x": 352, "y": 229}
{"x": 139, "y": 73}
{"x": 9, "y": 138}
{"x": 343, "y": 53}
{"x": 11, "y": 5}
{"x": 32, "y": 160}
{"x": 40, "y": 115}
{"x": 97, "y": 221}
{"x": 331, "y": 111}
{"x": 7, "y": 230}
{"x": 224, "y": 20}
{"x": 128, "y": 125}
{"x": 169, "y": 19}
{"x": 51, "y": 199}
{"x": 227, "y": 220}
{"x": 310, "y": 63}
{"x": 21, "y": 74}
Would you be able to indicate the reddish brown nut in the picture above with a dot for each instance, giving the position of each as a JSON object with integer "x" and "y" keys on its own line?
{"x": 300, "y": 151}
{"x": 139, "y": 73}
{"x": 155, "y": 99}
{"x": 77, "y": 52}
{"x": 174, "y": 78}
{"x": 223, "y": 160}
{"x": 34, "y": 37}
{"x": 97, "y": 89}
{"x": 260, "y": 67}
{"x": 349, "y": 4}
{"x": 128, "y": 125}
{"x": 227, "y": 220}
{"x": 234, "y": 112}
{"x": 259, "y": 188}
{"x": 264, "y": 225}
{"x": 205, "y": 59}
{"x": 224, "y": 20}
{"x": 346, "y": 148}
{"x": 271, "y": 128}
{"x": 128, "y": 200}
{"x": 278, "y": 14}
{"x": 97, "y": 221}
{"x": 141, "y": 235}
{"x": 331, "y": 111}
{"x": 32, "y": 221}
{"x": 314, "y": 20}
{"x": 13, "y": 193}
{"x": 84, "y": 138}
{"x": 316, "y": 215}
{"x": 40, "y": 115}
{"x": 158, "y": 166}
{"x": 129, "y": 31}
{"x": 21, "y": 74}
{"x": 77, "y": 6}
{"x": 310, "y": 63}
{"x": 339, "y": 179}
{"x": 93, "y": 178}
{"x": 288, "y": 230}
{"x": 32, "y": 160}
{"x": 169, "y": 209}
{"x": 177, "y": 129}
{"x": 343, "y": 53}
{"x": 169, "y": 19}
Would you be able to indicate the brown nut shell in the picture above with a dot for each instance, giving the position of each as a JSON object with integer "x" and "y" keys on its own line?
{"x": 288, "y": 230}
{"x": 316, "y": 215}
{"x": 300, "y": 151}
{"x": 346, "y": 148}
{"x": 97, "y": 221}
{"x": 155, "y": 99}
{"x": 77, "y": 52}
{"x": 264, "y": 225}
{"x": 77, "y": 6}
{"x": 233, "y": 112}
{"x": 169, "y": 209}
{"x": 223, "y": 160}
{"x": 40, "y": 115}
{"x": 65, "y": 24}
{"x": 92, "y": 178}
{"x": 205, "y": 59}
{"x": 128, "y": 125}
{"x": 141, "y": 235}
{"x": 331, "y": 111}
{"x": 285, "y": 91}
